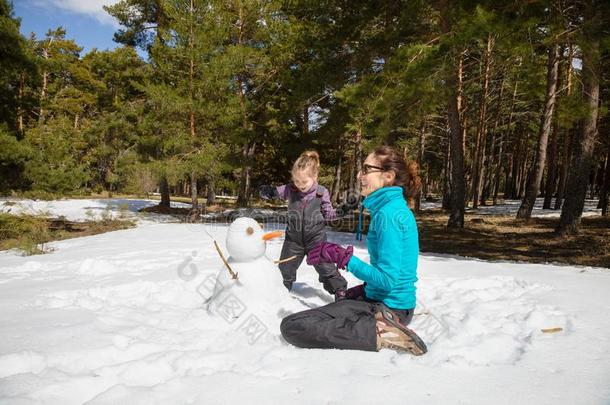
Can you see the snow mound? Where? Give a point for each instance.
(22, 362)
(483, 321)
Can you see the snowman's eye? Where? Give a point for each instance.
(249, 230)
(261, 225)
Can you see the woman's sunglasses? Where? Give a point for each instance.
(366, 169)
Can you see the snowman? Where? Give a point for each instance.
(250, 288)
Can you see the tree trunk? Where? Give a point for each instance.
(354, 192)
(551, 181)
(194, 192)
(493, 159)
(243, 197)
(604, 195)
(458, 188)
(502, 141)
(516, 164)
(249, 147)
(164, 190)
(481, 139)
(336, 187)
(427, 183)
(508, 176)
(420, 157)
(533, 186)
(563, 174)
(248, 150)
(498, 171)
(20, 109)
(446, 204)
(567, 135)
(573, 206)
(45, 85)
(460, 97)
(523, 174)
(211, 196)
(593, 181)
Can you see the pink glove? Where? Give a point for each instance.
(326, 252)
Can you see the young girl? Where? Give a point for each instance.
(308, 207)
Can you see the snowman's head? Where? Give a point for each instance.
(246, 240)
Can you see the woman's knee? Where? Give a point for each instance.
(288, 328)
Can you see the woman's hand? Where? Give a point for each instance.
(326, 252)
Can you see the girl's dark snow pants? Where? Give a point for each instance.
(306, 228)
(347, 324)
(328, 274)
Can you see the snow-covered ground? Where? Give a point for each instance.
(120, 318)
(88, 209)
(510, 207)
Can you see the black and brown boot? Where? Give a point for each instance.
(391, 334)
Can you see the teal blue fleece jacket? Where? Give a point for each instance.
(393, 246)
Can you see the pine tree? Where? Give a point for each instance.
(458, 187)
(112, 138)
(16, 63)
(535, 177)
(571, 212)
(144, 22)
(66, 95)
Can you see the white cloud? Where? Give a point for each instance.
(91, 8)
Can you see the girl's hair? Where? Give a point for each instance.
(310, 161)
(407, 174)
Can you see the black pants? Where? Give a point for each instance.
(328, 274)
(347, 324)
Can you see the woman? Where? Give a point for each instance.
(376, 312)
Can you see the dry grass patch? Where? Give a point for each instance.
(30, 234)
(502, 237)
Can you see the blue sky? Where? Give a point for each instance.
(84, 20)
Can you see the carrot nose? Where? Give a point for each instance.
(271, 235)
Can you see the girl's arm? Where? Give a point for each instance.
(283, 191)
(272, 192)
(328, 211)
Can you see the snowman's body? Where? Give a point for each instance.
(258, 291)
